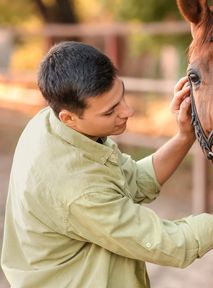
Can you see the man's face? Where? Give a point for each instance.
(106, 114)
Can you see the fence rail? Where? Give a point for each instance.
(102, 30)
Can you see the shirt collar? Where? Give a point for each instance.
(96, 151)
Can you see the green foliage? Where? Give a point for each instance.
(150, 11)
(143, 10)
(16, 12)
(148, 43)
(60, 11)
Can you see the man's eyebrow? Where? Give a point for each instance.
(116, 104)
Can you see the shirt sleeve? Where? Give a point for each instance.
(142, 172)
(146, 180)
(128, 229)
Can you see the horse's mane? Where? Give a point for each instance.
(203, 38)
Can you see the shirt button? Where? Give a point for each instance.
(113, 158)
(148, 245)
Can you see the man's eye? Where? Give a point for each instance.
(195, 79)
(109, 113)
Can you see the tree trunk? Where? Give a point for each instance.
(61, 11)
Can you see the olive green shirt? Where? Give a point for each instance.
(75, 215)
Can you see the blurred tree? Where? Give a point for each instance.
(142, 10)
(31, 14)
(57, 11)
(15, 13)
(51, 11)
(149, 11)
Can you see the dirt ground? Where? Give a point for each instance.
(174, 202)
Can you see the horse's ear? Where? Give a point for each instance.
(193, 11)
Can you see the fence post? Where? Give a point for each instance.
(111, 48)
(200, 180)
(6, 46)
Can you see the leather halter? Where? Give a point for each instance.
(205, 142)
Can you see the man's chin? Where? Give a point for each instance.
(120, 130)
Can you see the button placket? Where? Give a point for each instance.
(113, 158)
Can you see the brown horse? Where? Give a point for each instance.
(200, 69)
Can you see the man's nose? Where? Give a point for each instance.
(126, 111)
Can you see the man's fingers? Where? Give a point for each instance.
(179, 97)
(185, 108)
(180, 84)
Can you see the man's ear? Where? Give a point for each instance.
(67, 117)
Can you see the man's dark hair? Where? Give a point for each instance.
(71, 72)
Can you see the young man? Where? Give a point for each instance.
(75, 216)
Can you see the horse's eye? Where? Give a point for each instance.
(194, 78)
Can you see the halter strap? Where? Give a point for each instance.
(205, 142)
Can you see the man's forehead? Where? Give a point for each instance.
(109, 98)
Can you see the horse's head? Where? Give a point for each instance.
(200, 68)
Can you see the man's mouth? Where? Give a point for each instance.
(122, 124)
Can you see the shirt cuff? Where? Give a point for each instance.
(202, 227)
(147, 180)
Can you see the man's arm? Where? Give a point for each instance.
(169, 156)
(114, 222)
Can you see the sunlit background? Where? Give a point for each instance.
(147, 41)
